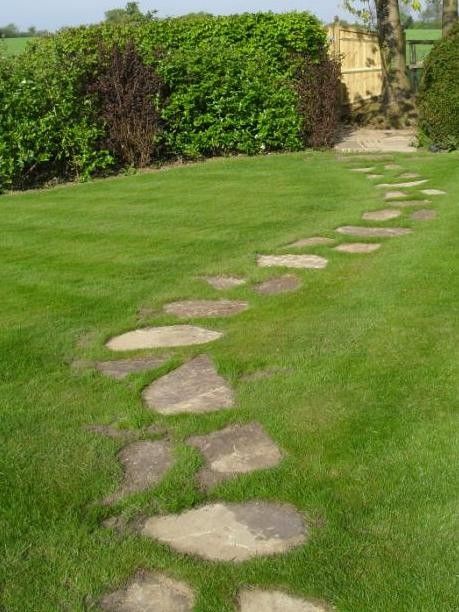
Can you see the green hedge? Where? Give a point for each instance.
(439, 94)
(230, 84)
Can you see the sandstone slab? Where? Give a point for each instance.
(392, 167)
(312, 241)
(230, 532)
(194, 387)
(150, 592)
(364, 170)
(373, 232)
(256, 600)
(424, 214)
(357, 247)
(123, 367)
(395, 195)
(166, 336)
(409, 175)
(381, 215)
(292, 261)
(238, 449)
(224, 282)
(205, 308)
(280, 284)
(433, 192)
(401, 185)
(144, 464)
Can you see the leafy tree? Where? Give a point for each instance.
(130, 14)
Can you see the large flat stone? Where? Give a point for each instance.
(238, 449)
(409, 175)
(256, 600)
(381, 215)
(433, 192)
(150, 592)
(392, 167)
(357, 247)
(312, 241)
(157, 337)
(395, 195)
(373, 140)
(373, 232)
(144, 464)
(280, 284)
(224, 282)
(205, 308)
(291, 261)
(401, 185)
(121, 368)
(195, 387)
(230, 532)
(424, 214)
(364, 170)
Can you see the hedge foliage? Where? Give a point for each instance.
(229, 87)
(439, 94)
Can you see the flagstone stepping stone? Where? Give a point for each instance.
(256, 600)
(409, 175)
(408, 203)
(230, 532)
(292, 261)
(194, 387)
(281, 284)
(238, 449)
(357, 247)
(205, 308)
(402, 185)
(224, 282)
(381, 215)
(374, 176)
(395, 195)
(144, 464)
(123, 367)
(158, 337)
(424, 214)
(312, 241)
(433, 192)
(373, 232)
(150, 592)
(392, 167)
(362, 169)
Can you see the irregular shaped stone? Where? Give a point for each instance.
(362, 169)
(408, 203)
(158, 337)
(224, 282)
(230, 532)
(381, 215)
(144, 465)
(401, 185)
(238, 449)
(194, 387)
(409, 175)
(374, 176)
(123, 367)
(292, 261)
(392, 167)
(395, 195)
(373, 232)
(433, 192)
(312, 241)
(150, 592)
(205, 308)
(357, 247)
(424, 214)
(256, 600)
(281, 284)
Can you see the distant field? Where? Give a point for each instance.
(14, 46)
(421, 50)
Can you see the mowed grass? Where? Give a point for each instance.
(14, 46)
(363, 407)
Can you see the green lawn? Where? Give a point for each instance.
(364, 408)
(420, 34)
(14, 46)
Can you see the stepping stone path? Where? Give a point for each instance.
(395, 195)
(205, 308)
(194, 387)
(292, 261)
(362, 169)
(224, 282)
(433, 192)
(408, 203)
(123, 367)
(401, 185)
(424, 215)
(373, 232)
(281, 284)
(158, 337)
(381, 215)
(374, 176)
(312, 241)
(256, 600)
(357, 247)
(150, 592)
(230, 532)
(144, 464)
(392, 167)
(238, 449)
(409, 175)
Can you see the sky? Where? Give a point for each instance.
(54, 14)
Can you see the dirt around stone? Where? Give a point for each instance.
(257, 600)
(195, 387)
(205, 308)
(144, 464)
(381, 215)
(230, 532)
(357, 247)
(238, 449)
(224, 282)
(373, 232)
(280, 284)
(121, 368)
(312, 241)
(292, 261)
(424, 214)
(166, 336)
(395, 195)
(150, 592)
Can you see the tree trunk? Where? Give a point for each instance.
(449, 15)
(397, 95)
